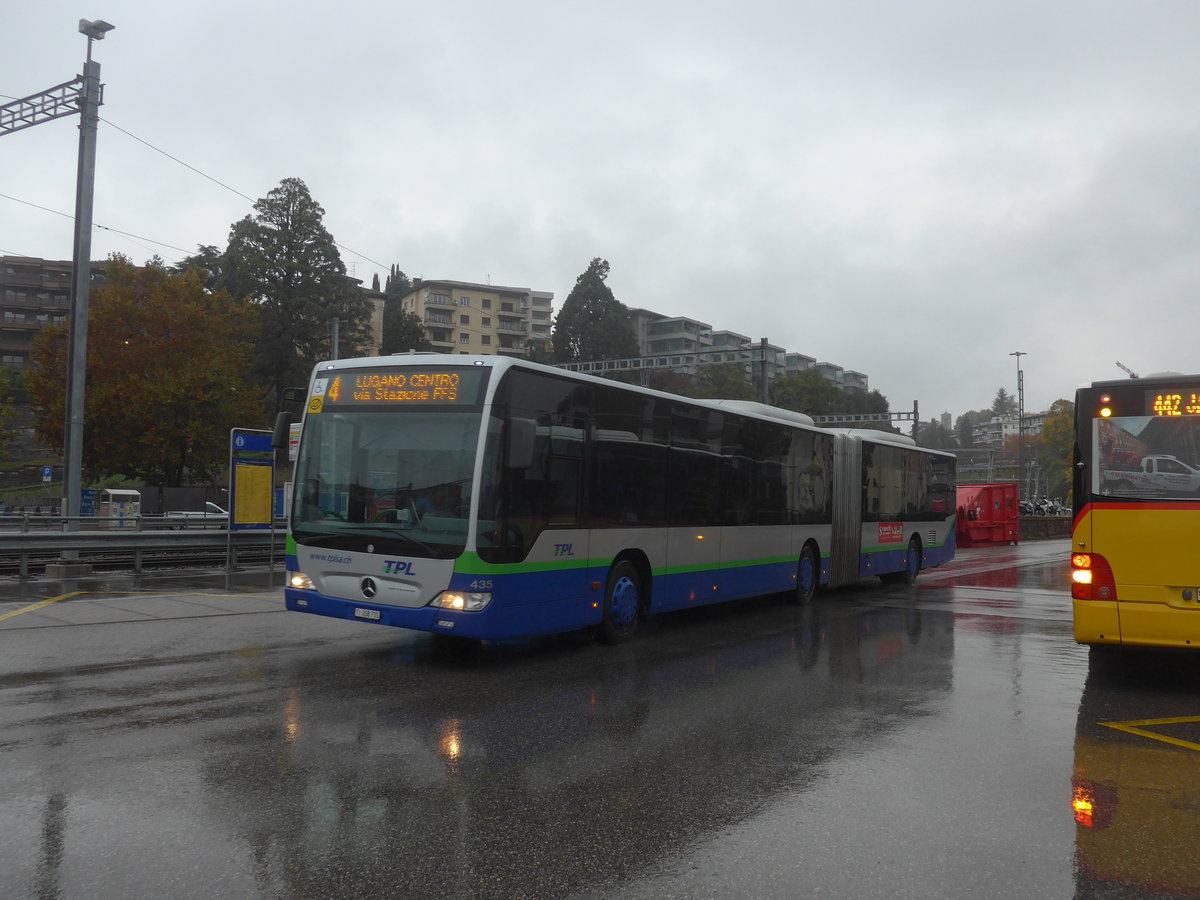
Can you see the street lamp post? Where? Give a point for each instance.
(1020, 422)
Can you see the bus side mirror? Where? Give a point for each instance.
(519, 451)
(281, 434)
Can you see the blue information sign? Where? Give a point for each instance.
(251, 479)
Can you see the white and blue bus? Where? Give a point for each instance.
(494, 498)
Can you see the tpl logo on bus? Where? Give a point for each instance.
(398, 567)
(564, 549)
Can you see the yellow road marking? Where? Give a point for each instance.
(1137, 727)
(32, 607)
(36, 606)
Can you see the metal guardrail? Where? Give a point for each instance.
(43, 541)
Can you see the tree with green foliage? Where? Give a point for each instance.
(285, 261)
(813, 394)
(7, 379)
(726, 381)
(209, 260)
(933, 434)
(1057, 441)
(397, 284)
(402, 331)
(592, 323)
(1004, 404)
(168, 369)
(964, 425)
(539, 352)
(669, 381)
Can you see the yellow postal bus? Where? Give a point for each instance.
(1135, 551)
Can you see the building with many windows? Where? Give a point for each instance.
(462, 317)
(682, 344)
(34, 293)
(996, 430)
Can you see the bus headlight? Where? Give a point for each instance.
(463, 601)
(299, 581)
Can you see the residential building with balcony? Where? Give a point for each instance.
(730, 340)
(831, 372)
(998, 429)
(657, 333)
(541, 318)
(855, 382)
(484, 319)
(798, 363)
(34, 293)
(681, 344)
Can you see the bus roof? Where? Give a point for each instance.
(748, 408)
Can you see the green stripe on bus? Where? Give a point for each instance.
(884, 548)
(471, 564)
(725, 566)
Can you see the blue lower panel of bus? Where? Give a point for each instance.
(678, 590)
(879, 562)
(575, 600)
(534, 604)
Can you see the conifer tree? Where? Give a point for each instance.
(592, 323)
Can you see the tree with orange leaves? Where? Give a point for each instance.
(168, 366)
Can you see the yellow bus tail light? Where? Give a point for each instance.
(1092, 577)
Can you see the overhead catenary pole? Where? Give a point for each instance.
(83, 94)
(81, 272)
(764, 391)
(1020, 422)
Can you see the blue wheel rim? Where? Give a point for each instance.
(624, 603)
(808, 575)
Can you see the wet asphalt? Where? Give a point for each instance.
(164, 736)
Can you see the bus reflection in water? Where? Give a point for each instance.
(1136, 794)
(472, 774)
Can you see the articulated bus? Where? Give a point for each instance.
(494, 498)
(1136, 485)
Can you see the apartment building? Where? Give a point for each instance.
(463, 317)
(34, 293)
(996, 430)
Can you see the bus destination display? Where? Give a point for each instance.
(403, 387)
(1174, 402)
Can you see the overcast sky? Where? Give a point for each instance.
(911, 190)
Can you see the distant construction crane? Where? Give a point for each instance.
(1128, 371)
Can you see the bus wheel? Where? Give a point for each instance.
(808, 573)
(912, 566)
(622, 601)
(912, 562)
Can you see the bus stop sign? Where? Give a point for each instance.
(251, 479)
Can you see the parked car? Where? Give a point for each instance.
(210, 515)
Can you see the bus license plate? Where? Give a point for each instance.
(372, 614)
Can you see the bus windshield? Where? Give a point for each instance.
(1152, 457)
(393, 481)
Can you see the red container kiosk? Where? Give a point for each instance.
(988, 514)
